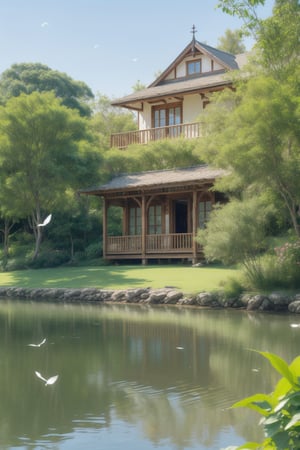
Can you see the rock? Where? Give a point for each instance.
(172, 297)
(207, 299)
(156, 297)
(255, 303)
(273, 302)
(294, 307)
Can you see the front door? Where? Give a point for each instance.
(181, 216)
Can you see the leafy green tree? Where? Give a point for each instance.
(45, 149)
(278, 43)
(107, 120)
(243, 9)
(30, 77)
(258, 139)
(156, 155)
(232, 42)
(138, 86)
(236, 232)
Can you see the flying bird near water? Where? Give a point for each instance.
(48, 381)
(38, 345)
(46, 221)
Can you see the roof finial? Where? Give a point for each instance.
(193, 40)
(193, 31)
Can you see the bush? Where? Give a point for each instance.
(94, 250)
(280, 270)
(233, 288)
(50, 258)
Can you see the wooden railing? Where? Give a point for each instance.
(124, 244)
(169, 242)
(186, 130)
(163, 243)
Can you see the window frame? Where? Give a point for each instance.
(167, 108)
(205, 205)
(135, 221)
(193, 63)
(156, 226)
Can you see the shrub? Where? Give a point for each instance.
(94, 250)
(51, 258)
(280, 270)
(233, 288)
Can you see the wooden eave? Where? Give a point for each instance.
(175, 90)
(164, 182)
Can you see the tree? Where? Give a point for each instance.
(45, 149)
(254, 131)
(231, 42)
(245, 10)
(30, 77)
(258, 140)
(156, 155)
(107, 120)
(236, 232)
(279, 44)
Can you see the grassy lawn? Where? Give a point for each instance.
(186, 279)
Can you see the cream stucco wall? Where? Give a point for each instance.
(191, 109)
(206, 66)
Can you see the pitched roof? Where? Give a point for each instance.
(162, 87)
(225, 59)
(162, 178)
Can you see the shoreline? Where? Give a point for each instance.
(275, 301)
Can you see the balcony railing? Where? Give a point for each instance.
(186, 130)
(162, 243)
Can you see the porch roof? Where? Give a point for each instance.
(153, 179)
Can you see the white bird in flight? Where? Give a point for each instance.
(48, 381)
(46, 221)
(38, 345)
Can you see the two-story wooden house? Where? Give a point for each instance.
(163, 210)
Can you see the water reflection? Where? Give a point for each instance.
(132, 376)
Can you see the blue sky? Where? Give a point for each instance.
(108, 44)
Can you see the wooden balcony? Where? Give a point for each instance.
(176, 245)
(186, 130)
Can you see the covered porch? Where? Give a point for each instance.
(161, 213)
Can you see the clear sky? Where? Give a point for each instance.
(108, 44)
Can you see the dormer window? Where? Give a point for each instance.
(194, 67)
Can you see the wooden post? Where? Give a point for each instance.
(195, 224)
(104, 227)
(144, 229)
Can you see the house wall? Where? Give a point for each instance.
(181, 68)
(191, 109)
(144, 121)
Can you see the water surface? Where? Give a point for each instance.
(134, 378)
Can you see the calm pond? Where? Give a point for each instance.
(133, 377)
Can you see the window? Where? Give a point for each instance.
(154, 220)
(167, 116)
(164, 116)
(204, 212)
(193, 67)
(135, 221)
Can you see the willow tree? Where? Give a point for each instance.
(45, 149)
